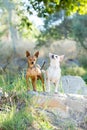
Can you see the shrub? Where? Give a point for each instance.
(83, 60)
(80, 71)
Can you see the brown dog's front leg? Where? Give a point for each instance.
(34, 83)
(27, 77)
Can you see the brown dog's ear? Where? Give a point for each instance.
(27, 53)
(36, 54)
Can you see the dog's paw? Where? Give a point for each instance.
(44, 93)
(33, 92)
(47, 91)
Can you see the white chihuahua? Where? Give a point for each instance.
(53, 73)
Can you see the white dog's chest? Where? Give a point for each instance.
(53, 74)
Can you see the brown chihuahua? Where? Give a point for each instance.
(33, 72)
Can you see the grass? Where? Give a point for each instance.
(23, 120)
(15, 120)
(19, 114)
(17, 84)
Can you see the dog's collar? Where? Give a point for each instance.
(32, 67)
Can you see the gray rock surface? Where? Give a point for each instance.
(63, 110)
(74, 85)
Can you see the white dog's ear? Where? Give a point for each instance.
(61, 58)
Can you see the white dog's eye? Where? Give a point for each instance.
(56, 56)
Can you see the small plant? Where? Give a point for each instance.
(68, 125)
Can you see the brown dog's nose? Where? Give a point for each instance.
(32, 62)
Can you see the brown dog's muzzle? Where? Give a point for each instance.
(32, 63)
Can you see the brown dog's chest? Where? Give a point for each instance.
(34, 72)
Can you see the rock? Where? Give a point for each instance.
(74, 85)
(72, 62)
(17, 65)
(20, 61)
(63, 110)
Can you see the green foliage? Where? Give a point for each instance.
(47, 7)
(85, 78)
(83, 60)
(73, 71)
(24, 23)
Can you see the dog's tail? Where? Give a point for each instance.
(43, 65)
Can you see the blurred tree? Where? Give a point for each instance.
(13, 19)
(46, 7)
(79, 27)
(59, 26)
(7, 9)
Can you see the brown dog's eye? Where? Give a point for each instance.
(30, 59)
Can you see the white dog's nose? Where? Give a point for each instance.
(52, 56)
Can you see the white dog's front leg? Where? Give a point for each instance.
(48, 86)
(56, 87)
